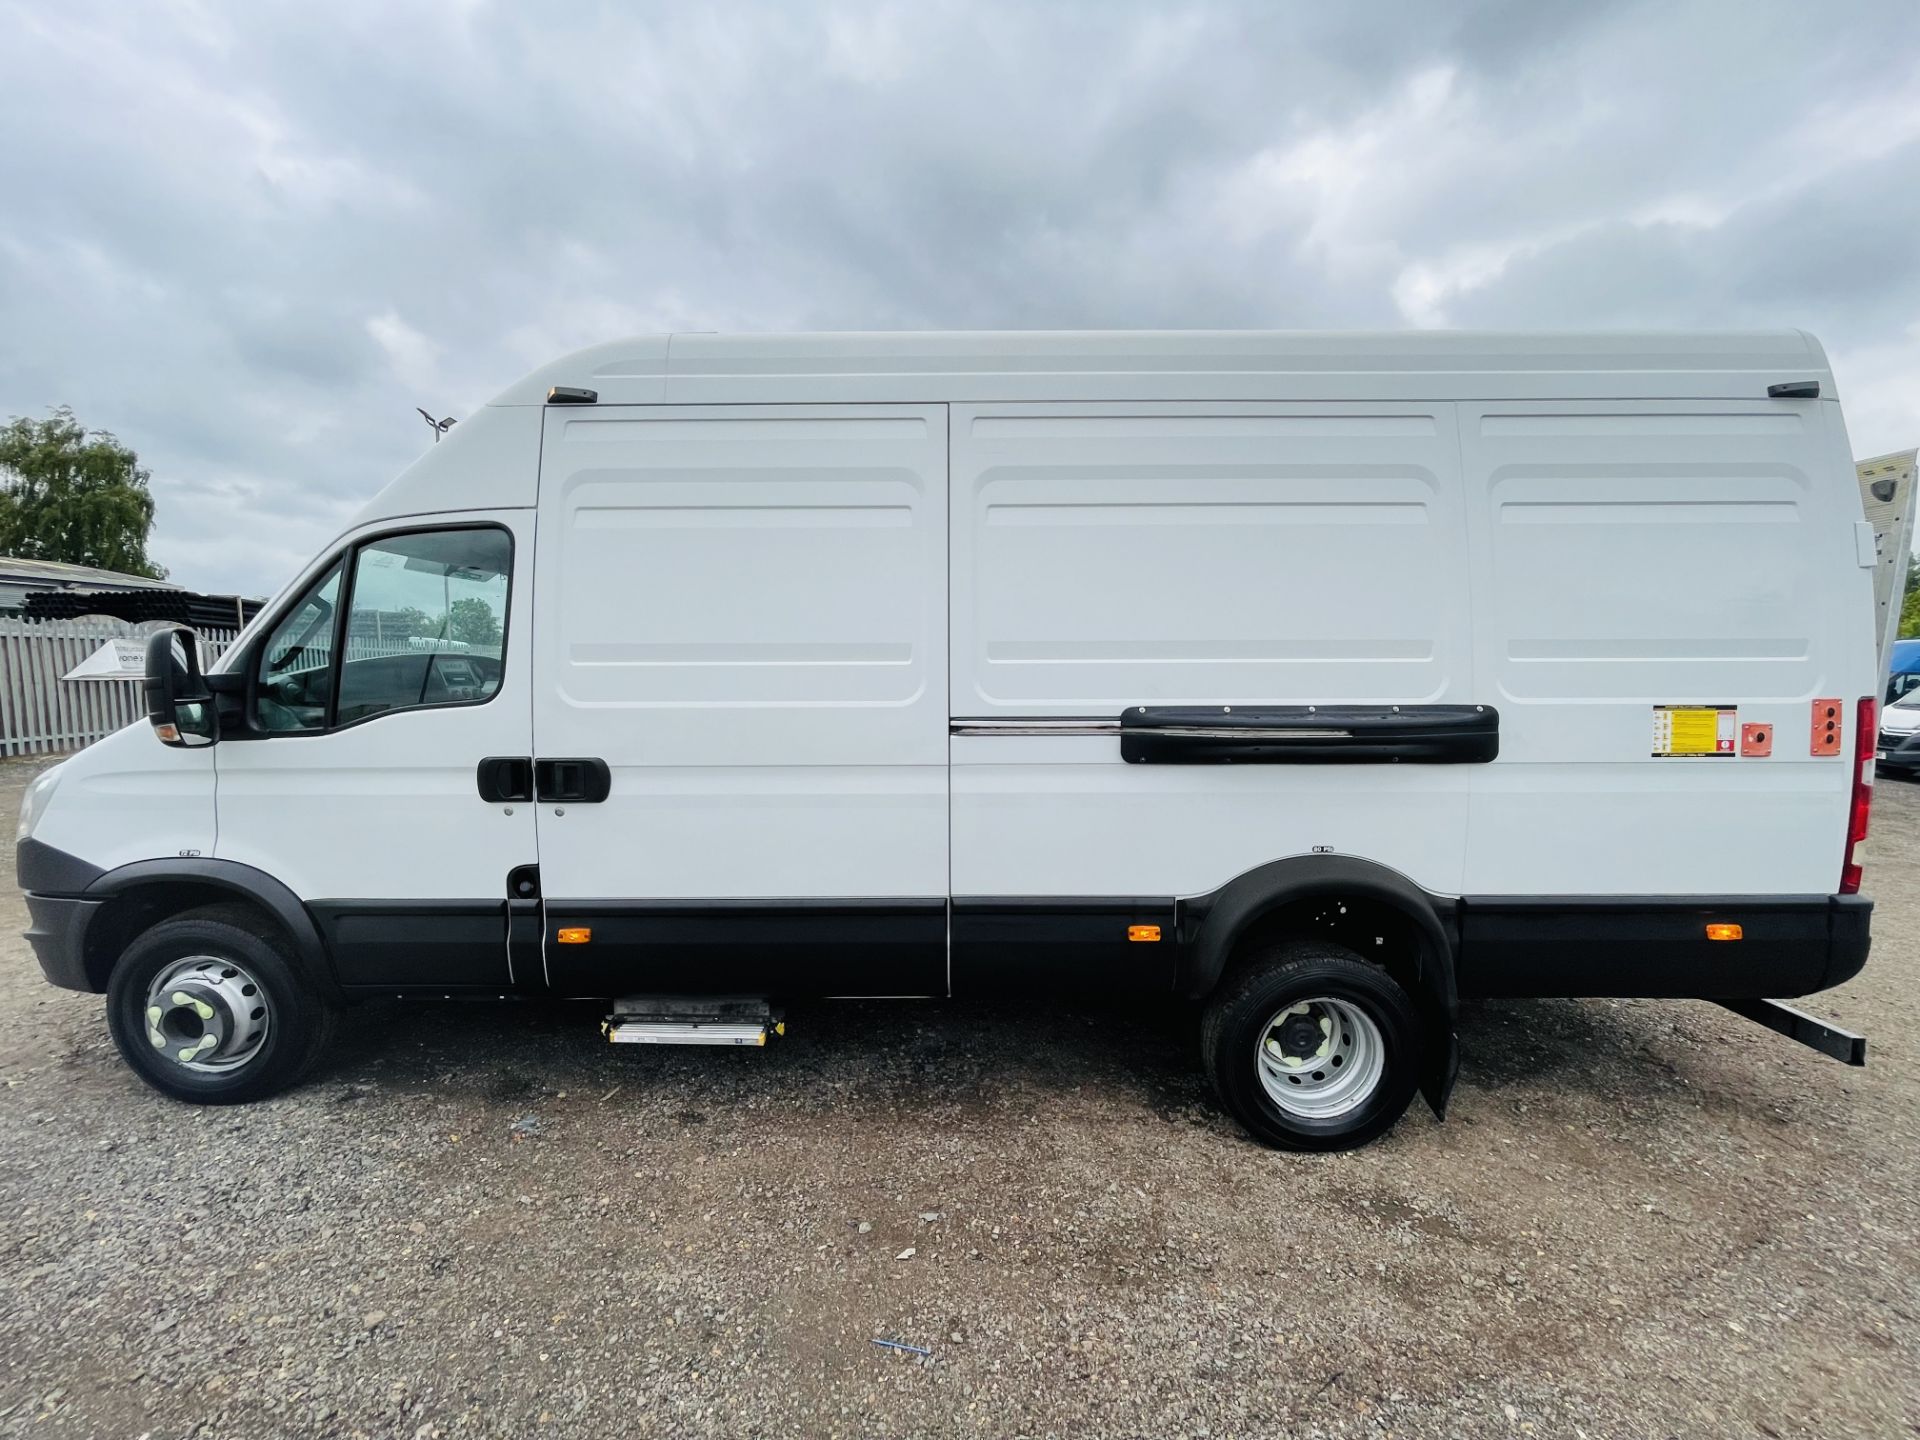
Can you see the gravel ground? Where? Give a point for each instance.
(1643, 1218)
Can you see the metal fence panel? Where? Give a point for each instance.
(42, 714)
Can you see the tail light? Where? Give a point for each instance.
(1864, 739)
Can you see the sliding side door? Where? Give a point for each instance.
(1107, 558)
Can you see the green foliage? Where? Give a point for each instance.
(475, 623)
(410, 622)
(72, 496)
(1910, 602)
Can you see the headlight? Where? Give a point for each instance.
(33, 804)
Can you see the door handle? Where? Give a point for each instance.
(581, 781)
(504, 779)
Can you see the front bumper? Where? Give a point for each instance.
(57, 931)
(1898, 751)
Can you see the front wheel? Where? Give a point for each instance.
(206, 1008)
(1311, 1048)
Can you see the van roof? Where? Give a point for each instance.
(492, 457)
(700, 368)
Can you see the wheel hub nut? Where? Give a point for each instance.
(1300, 1036)
(205, 1013)
(188, 1022)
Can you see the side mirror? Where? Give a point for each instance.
(179, 705)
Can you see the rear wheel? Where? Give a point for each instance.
(206, 1007)
(1311, 1048)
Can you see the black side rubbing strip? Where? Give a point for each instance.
(1309, 734)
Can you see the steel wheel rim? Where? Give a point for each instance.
(206, 1014)
(1320, 1059)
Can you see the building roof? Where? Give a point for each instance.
(178, 607)
(57, 575)
(54, 590)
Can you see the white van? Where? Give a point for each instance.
(1319, 679)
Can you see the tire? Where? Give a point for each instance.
(1338, 1038)
(226, 992)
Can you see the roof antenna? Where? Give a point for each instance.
(440, 427)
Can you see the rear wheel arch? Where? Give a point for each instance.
(1290, 899)
(1222, 922)
(149, 892)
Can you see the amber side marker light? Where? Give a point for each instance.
(1724, 932)
(577, 935)
(1143, 932)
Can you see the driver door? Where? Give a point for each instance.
(398, 665)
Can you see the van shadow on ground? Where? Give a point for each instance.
(909, 1055)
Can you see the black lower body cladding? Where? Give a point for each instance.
(1658, 947)
(56, 929)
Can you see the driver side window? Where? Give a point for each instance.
(425, 625)
(294, 682)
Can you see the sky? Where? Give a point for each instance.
(249, 239)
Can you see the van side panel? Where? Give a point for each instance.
(742, 612)
(1639, 554)
(1113, 556)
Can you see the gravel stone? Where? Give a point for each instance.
(1641, 1218)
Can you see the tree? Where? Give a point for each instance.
(72, 495)
(474, 623)
(1910, 602)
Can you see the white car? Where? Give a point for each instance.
(1899, 747)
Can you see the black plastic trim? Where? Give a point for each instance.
(57, 933)
(1849, 938)
(45, 870)
(242, 880)
(1655, 946)
(1794, 390)
(1309, 734)
(572, 395)
(1021, 944)
(416, 944)
(504, 779)
(582, 780)
(766, 947)
(1211, 924)
(526, 929)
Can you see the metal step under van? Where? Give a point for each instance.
(680, 1020)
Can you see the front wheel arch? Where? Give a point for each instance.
(147, 892)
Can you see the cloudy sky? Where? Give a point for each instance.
(250, 238)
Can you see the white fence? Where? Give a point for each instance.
(40, 712)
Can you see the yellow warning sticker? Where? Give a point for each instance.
(1694, 730)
